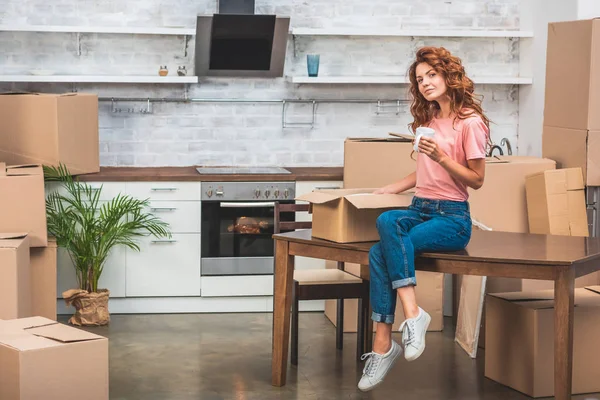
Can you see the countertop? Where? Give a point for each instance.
(129, 174)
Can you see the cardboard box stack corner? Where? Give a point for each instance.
(37, 349)
(520, 354)
(41, 130)
(48, 129)
(571, 133)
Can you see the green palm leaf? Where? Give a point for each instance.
(88, 230)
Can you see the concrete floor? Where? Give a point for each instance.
(228, 357)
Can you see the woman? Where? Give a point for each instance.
(438, 219)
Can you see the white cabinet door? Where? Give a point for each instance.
(165, 267)
(112, 278)
(108, 190)
(303, 187)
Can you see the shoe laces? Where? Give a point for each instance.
(408, 332)
(373, 360)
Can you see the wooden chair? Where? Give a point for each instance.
(323, 284)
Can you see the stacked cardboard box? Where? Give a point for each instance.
(556, 203)
(571, 134)
(41, 130)
(38, 129)
(49, 129)
(30, 275)
(42, 359)
(519, 347)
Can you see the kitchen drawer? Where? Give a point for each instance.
(112, 278)
(182, 216)
(165, 267)
(247, 285)
(109, 189)
(165, 190)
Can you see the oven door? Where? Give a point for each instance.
(237, 237)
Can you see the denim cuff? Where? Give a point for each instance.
(404, 282)
(386, 319)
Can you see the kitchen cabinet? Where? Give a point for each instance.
(164, 267)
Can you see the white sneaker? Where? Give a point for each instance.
(377, 367)
(413, 335)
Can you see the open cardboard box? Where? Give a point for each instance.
(350, 215)
(43, 359)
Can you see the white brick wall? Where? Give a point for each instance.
(252, 133)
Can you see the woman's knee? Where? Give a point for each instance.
(385, 220)
(375, 256)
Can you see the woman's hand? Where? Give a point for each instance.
(385, 190)
(429, 147)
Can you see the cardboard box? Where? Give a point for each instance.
(350, 215)
(43, 262)
(15, 276)
(572, 96)
(42, 359)
(520, 341)
(23, 202)
(574, 148)
(430, 297)
(375, 162)
(556, 203)
(49, 129)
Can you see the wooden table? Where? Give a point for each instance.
(489, 253)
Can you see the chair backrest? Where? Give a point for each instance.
(290, 225)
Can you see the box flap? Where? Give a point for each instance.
(62, 333)
(399, 139)
(22, 341)
(26, 323)
(373, 201)
(595, 289)
(327, 195)
(25, 169)
(406, 136)
(7, 236)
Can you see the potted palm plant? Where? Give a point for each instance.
(89, 230)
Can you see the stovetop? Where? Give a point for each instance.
(242, 170)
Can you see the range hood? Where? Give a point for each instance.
(238, 42)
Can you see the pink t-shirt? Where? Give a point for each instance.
(466, 140)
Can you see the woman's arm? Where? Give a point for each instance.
(472, 176)
(408, 182)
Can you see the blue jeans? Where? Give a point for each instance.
(427, 225)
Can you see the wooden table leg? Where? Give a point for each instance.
(564, 297)
(282, 302)
(366, 304)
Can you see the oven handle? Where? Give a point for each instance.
(248, 205)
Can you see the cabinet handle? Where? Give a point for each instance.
(163, 189)
(163, 241)
(326, 187)
(163, 209)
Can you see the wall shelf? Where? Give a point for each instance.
(411, 32)
(99, 79)
(491, 80)
(99, 29)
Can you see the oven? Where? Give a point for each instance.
(238, 224)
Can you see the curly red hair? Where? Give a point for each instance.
(463, 101)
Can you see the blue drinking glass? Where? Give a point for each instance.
(312, 62)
